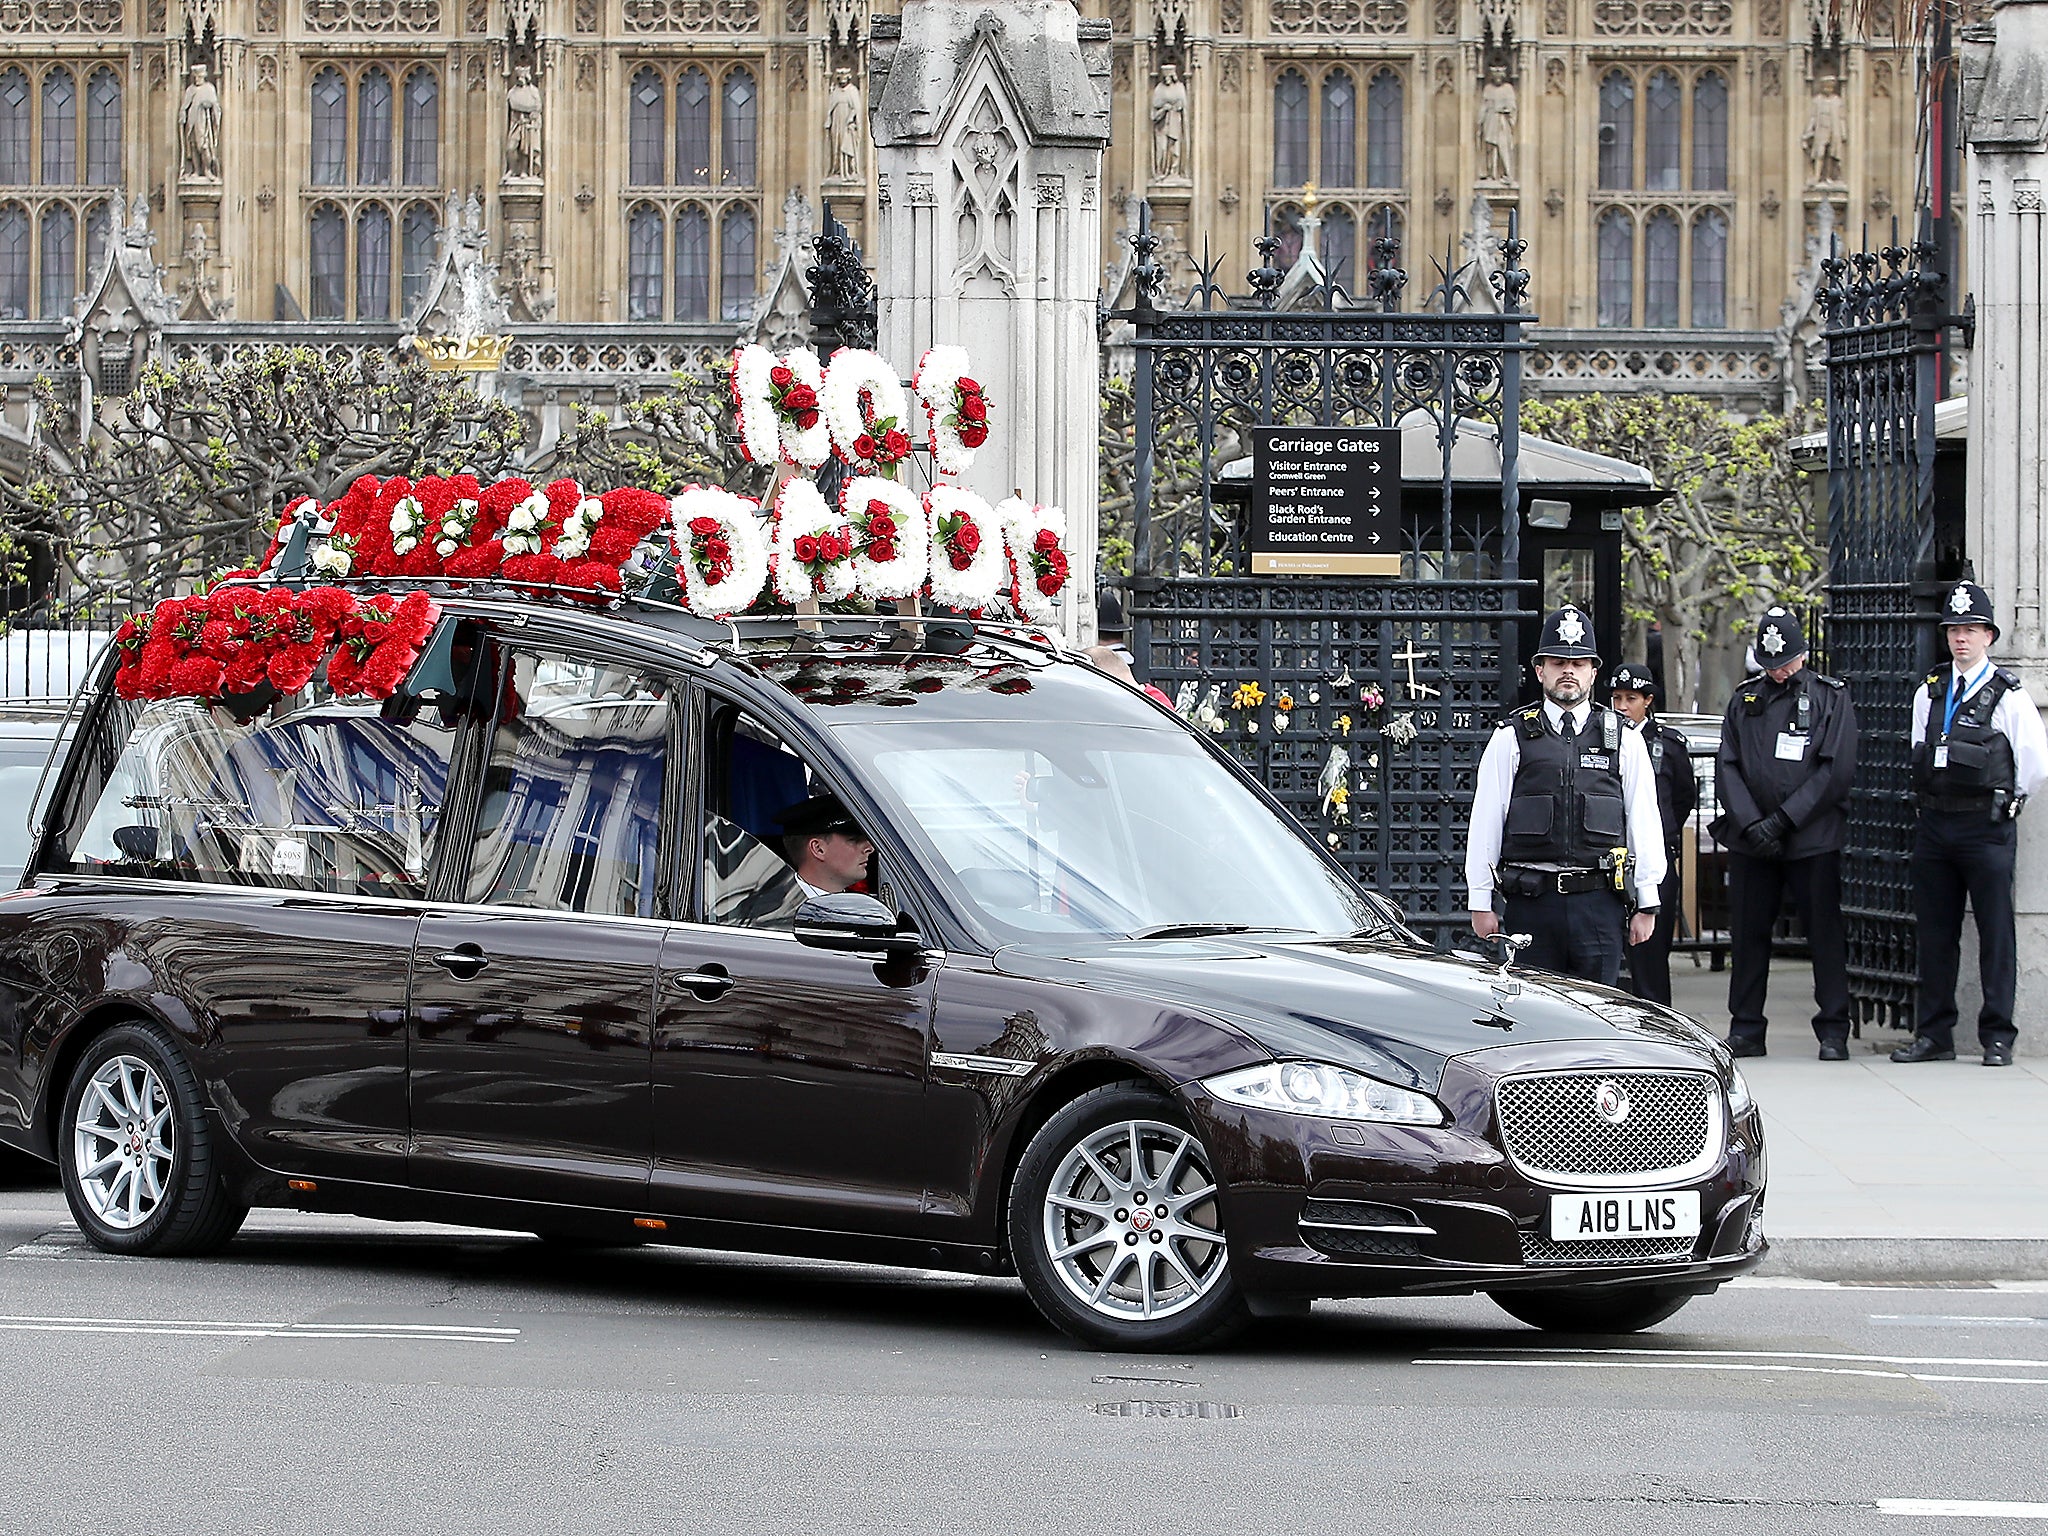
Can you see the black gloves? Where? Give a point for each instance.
(1766, 839)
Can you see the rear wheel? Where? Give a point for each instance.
(136, 1150)
(1594, 1309)
(1116, 1230)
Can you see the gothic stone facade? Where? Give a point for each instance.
(1676, 163)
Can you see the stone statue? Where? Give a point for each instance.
(522, 19)
(843, 22)
(1169, 124)
(522, 132)
(842, 127)
(1827, 131)
(199, 126)
(1497, 126)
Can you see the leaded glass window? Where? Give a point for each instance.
(1617, 130)
(1290, 129)
(693, 128)
(327, 294)
(1710, 133)
(1616, 246)
(1710, 270)
(60, 129)
(329, 127)
(422, 128)
(645, 130)
(1340, 130)
(693, 264)
(60, 261)
(738, 128)
(103, 129)
(643, 264)
(1385, 129)
(736, 263)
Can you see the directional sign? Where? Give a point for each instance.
(1326, 501)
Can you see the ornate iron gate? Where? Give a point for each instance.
(1364, 705)
(1884, 312)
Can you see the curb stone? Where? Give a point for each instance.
(1907, 1260)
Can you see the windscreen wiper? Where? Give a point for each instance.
(1205, 930)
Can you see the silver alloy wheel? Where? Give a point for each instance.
(1131, 1222)
(123, 1142)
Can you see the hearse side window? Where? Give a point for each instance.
(750, 778)
(341, 796)
(571, 813)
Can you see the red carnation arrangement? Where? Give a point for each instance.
(958, 537)
(793, 398)
(377, 643)
(710, 550)
(970, 413)
(1048, 563)
(877, 532)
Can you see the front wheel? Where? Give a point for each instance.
(1594, 1309)
(137, 1153)
(1116, 1230)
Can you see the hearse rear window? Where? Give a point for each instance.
(320, 794)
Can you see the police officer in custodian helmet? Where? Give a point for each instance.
(1564, 824)
(1787, 760)
(1978, 751)
(1633, 693)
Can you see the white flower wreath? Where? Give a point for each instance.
(902, 575)
(937, 381)
(1022, 525)
(738, 520)
(753, 408)
(971, 586)
(802, 513)
(856, 373)
(806, 447)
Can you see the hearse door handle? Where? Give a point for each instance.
(707, 982)
(463, 961)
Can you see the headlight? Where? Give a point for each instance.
(1311, 1088)
(1739, 1102)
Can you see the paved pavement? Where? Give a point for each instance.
(1936, 1171)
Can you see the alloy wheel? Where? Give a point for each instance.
(1131, 1223)
(124, 1142)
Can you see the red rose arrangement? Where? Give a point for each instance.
(882, 447)
(877, 527)
(815, 552)
(959, 539)
(377, 643)
(1048, 563)
(710, 550)
(793, 398)
(970, 414)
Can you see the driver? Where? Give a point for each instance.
(825, 845)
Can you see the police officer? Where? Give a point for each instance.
(1787, 759)
(1565, 819)
(1632, 690)
(1978, 751)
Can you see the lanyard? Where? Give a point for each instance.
(1958, 691)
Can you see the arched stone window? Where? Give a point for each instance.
(422, 128)
(419, 245)
(645, 131)
(1710, 270)
(693, 264)
(736, 262)
(1287, 225)
(14, 262)
(99, 226)
(739, 128)
(329, 129)
(373, 262)
(1337, 246)
(1290, 129)
(1340, 129)
(1710, 133)
(1663, 132)
(15, 141)
(60, 129)
(1616, 279)
(327, 247)
(1386, 113)
(103, 129)
(1617, 130)
(60, 260)
(1660, 270)
(693, 128)
(643, 264)
(373, 129)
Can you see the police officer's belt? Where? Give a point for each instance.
(1526, 880)
(1975, 801)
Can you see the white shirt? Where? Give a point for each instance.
(2016, 716)
(812, 892)
(1496, 785)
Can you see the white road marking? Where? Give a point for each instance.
(1982, 1509)
(201, 1328)
(1749, 1366)
(1796, 1283)
(1954, 1320)
(1776, 1361)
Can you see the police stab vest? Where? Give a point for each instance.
(1979, 757)
(1566, 806)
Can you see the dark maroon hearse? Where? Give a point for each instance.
(521, 949)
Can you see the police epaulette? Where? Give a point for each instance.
(2007, 676)
(1832, 682)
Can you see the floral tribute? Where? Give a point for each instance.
(237, 639)
(968, 569)
(778, 406)
(1035, 538)
(812, 558)
(720, 550)
(891, 539)
(865, 409)
(955, 408)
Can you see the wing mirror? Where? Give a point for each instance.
(854, 924)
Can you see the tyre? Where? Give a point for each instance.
(1115, 1228)
(1594, 1309)
(138, 1154)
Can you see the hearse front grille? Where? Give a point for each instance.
(1611, 1129)
(1538, 1249)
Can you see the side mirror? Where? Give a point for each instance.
(854, 924)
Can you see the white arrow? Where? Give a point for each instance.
(1374, 539)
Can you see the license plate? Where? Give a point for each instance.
(1659, 1213)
